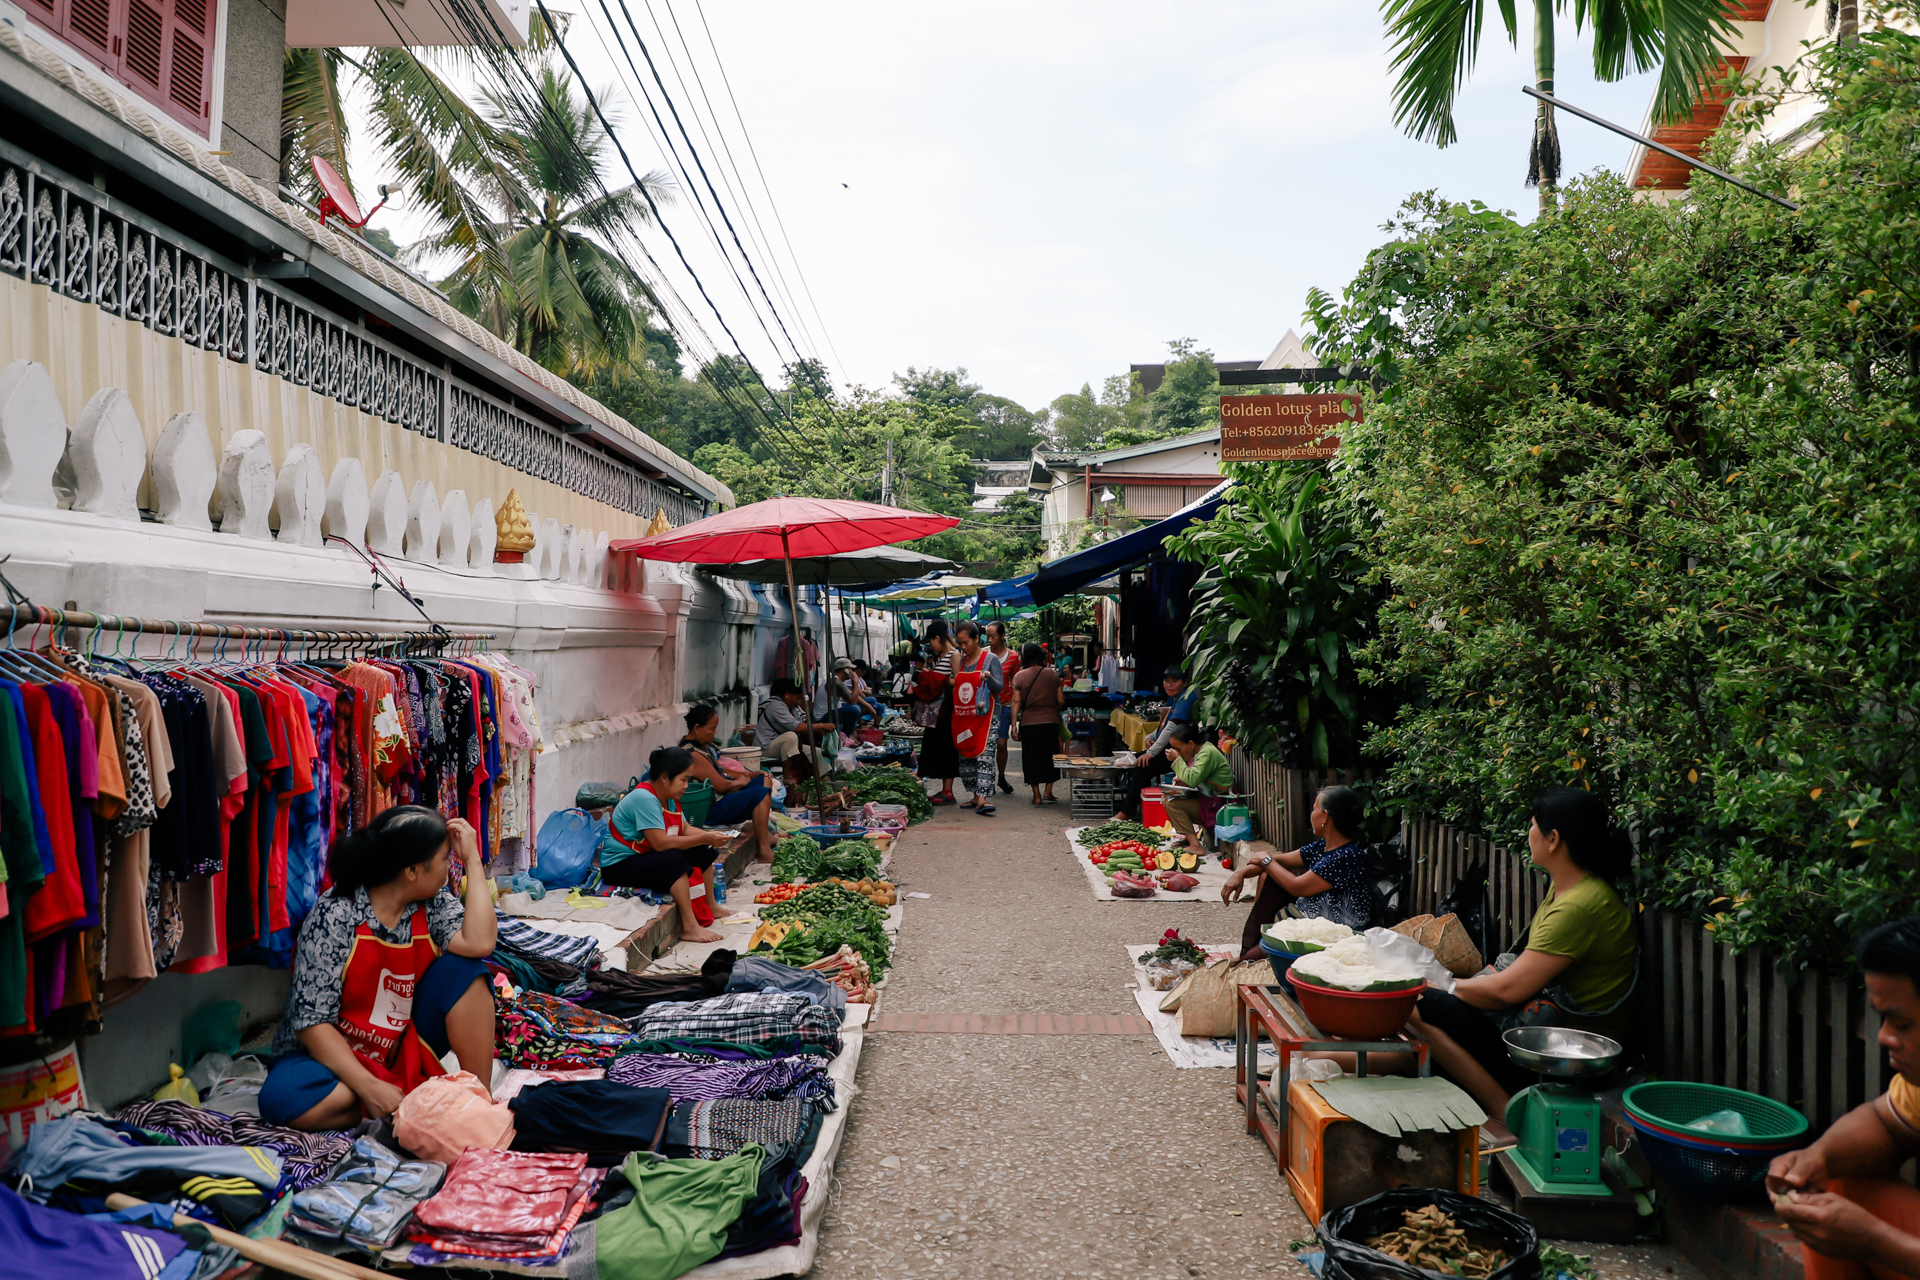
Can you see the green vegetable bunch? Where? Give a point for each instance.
(797, 857)
(1118, 829)
(890, 784)
(832, 917)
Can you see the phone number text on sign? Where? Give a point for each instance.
(1279, 428)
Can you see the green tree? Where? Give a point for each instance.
(1081, 420)
(1641, 494)
(1435, 43)
(1187, 399)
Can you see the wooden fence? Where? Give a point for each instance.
(1804, 1038)
(1282, 797)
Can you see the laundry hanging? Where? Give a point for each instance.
(173, 811)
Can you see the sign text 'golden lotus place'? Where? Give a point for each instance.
(1277, 428)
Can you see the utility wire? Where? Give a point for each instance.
(765, 186)
(726, 148)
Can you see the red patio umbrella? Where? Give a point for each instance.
(808, 528)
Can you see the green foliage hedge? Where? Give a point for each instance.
(1642, 500)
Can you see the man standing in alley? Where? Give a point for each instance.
(1009, 668)
(1843, 1196)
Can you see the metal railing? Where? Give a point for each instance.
(83, 244)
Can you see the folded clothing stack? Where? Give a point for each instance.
(369, 1198)
(507, 1204)
(306, 1158)
(74, 1161)
(747, 1017)
(687, 1077)
(535, 1030)
(606, 1120)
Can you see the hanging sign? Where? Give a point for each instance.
(1277, 428)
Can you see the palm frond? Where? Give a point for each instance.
(1695, 34)
(1434, 44)
(312, 120)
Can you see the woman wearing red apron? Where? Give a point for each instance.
(387, 976)
(976, 684)
(650, 846)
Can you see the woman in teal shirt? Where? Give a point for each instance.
(1196, 763)
(649, 845)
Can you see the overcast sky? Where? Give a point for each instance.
(1046, 192)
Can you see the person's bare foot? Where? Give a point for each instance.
(702, 935)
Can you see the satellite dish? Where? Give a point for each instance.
(337, 199)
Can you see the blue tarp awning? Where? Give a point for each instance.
(1069, 573)
(1011, 592)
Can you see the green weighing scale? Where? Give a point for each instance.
(1558, 1123)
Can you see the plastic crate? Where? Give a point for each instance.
(1093, 799)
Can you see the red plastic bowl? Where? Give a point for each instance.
(1355, 1015)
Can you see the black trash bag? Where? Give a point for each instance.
(1388, 873)
(1468, 900)
(602, 795)
(1345, 1232)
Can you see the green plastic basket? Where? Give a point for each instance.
(1675, 1104)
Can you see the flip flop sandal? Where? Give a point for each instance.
(986, 810)
(940, 799)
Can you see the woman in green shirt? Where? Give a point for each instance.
(1578, 967)
(1196, 763)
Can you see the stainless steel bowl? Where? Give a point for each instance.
(1562, 1052)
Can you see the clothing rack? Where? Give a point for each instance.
(252, 640)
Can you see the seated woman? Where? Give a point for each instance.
(1578, 967)
(648, 846)
(1326, 878)
(736, 796)
(387, 976)
(1196, 763)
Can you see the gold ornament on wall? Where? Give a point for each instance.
(515, 531)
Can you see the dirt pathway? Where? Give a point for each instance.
(1075, 1149)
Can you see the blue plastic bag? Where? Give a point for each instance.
(567, 842)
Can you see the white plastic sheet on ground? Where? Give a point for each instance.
(1186, 1051)
(1211, 875)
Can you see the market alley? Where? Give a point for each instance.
(1060, 1155)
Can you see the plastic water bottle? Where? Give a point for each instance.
(719, 881)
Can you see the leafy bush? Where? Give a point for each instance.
(1277, 616)
(1648, 510)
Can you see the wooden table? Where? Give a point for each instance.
(1270, 1012)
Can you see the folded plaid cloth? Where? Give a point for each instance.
(745, 1017)
(530, 941)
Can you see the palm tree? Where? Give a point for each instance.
(560, 290)
(1435, 43)
(512, 191)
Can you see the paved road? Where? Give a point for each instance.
(1080, 1153)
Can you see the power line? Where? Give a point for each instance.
(765, 186)
(726, 148)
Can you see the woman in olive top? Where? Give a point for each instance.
(1196, 763)
(1578, 968)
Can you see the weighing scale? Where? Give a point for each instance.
(1558, 1124)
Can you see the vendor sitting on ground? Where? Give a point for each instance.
(737, 794)
(649, 846)
(1847, 1201)
(1325, 879)
(855, 698)
(1152, 761)
(1196, 763)
(387, 975)
(781, 730)
(1578, 968)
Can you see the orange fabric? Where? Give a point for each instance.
(444, 1116)
(113, 784)
(1892, 1201)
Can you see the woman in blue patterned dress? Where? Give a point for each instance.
(1326, 878)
